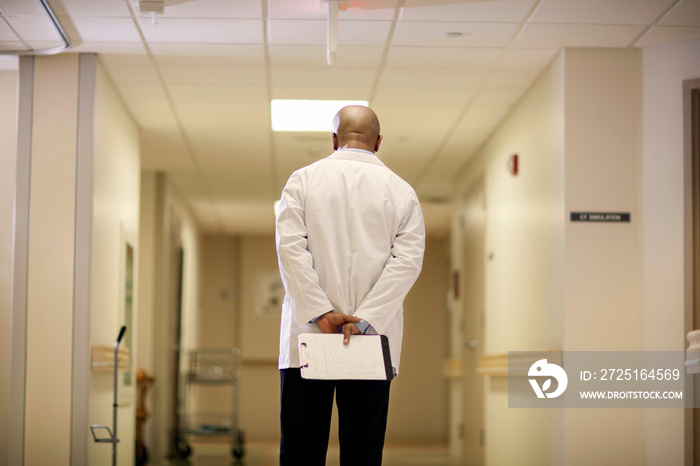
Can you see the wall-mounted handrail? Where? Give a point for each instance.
(52, 50)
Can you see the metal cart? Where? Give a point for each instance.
(209, 368)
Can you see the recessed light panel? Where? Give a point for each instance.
(307, 115)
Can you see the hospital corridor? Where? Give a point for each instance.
(553, 147)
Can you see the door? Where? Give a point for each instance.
(474, 226)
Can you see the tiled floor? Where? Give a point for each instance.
(265, 454)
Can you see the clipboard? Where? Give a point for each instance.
(324, 357)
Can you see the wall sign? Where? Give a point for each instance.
(601, 217)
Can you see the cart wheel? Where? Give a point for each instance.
(238, 450)
(184, 451)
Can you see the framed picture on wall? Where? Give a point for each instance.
(270, 294)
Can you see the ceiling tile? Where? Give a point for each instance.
(254, 115)
(393, 94)
(498, 96)
(577, 35)
(143, 92)
(240, 184)
(315, 55)
(297, 32)
(208, 54)
(363, 32)
(666, 34)
(11, 45)
(434, 34)
(142, 73)
(299, 9)
(600, 11)
(433, 77)
(108, 48)
(513, 79)
(91, 8)
(533, 59)
(686, 13)
(370, 9)
(106, 29)
(462, 10)
(482, 116)
(213, 9)
(311, 76)
(444, 57)
(192, 185)
(117, 59)
(250, 158)
(33, 28)
(149, 116)
(6, 32)
(314, 32)
(325, 92)
(213, 74)
(22, 8)
(212, 31)
(429, 122)
(217, 92)
(312, 9)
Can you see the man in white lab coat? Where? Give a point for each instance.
(350, 240)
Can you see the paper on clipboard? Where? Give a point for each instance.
(366, 357)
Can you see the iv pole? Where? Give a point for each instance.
(112, 433)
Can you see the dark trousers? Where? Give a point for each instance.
(306, 420)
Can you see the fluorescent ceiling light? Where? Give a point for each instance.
(307, 115)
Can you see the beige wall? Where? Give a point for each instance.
(8, 153)
(664, 69)
(425, 345)
(524, 283)
(167, 225)
(551, 283)
(418, 403)
(116, 187)
(602, 310)
(51, 253)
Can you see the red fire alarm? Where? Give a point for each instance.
(513, 164)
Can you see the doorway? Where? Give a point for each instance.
(473, 226)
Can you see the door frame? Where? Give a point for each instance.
(691, 171)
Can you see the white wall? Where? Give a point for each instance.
(8, 154)
(116, 178)
(664, 69)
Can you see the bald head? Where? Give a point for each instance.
(356, 127)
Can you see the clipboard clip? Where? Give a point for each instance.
(303, 355)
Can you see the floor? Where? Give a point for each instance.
(265, 454)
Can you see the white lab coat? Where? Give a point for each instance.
(350, 238)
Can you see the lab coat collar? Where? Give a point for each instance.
(358, 155)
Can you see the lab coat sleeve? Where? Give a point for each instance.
(401, 270)
(301, 283)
